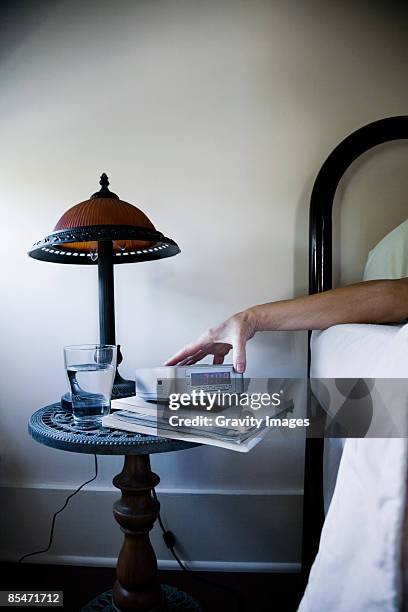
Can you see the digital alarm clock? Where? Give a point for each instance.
(157, 384)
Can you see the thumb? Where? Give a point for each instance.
(239, 355)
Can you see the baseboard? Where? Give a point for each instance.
(169, 564)
(161, 490)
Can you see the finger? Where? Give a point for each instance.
(194, 358)
(239, 354)
(188, 351)
(219, 348)
(218, 359)
(191, 361)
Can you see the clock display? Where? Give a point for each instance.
(210, 379)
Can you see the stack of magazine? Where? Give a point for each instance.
(135, 414)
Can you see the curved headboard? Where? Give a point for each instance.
(324, 190)
(320, 279)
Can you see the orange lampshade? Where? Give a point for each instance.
(105, 211)
(103, 217)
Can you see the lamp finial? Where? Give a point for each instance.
(104, 191)
(104, 182)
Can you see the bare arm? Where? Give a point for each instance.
(383, 301)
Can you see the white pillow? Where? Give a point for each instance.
(389, 259)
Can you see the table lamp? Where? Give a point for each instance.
(105, 231)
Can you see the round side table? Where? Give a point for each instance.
(137, 586)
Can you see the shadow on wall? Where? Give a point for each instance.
(301, 266)
(19, 19)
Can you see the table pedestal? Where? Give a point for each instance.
(137, 586)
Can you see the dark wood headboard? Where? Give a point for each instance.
(320, 279)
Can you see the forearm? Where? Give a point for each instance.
(384, 301)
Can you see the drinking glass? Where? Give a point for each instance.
(90, 370)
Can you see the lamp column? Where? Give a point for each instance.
(107, 335)
(106, 292)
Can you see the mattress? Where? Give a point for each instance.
(348, 351)
(358, 564)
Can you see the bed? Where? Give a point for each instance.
(358, 564)
(320, 279)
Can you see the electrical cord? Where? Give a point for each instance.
(170, 541)
(70, 496)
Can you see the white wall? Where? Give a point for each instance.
(214, 118)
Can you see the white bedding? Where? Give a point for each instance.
(358, 568)
(346, 351)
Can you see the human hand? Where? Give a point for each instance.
(233, 334)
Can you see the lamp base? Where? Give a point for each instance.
(122, 387)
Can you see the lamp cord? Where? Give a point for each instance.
(170, 541)
(70, 496)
